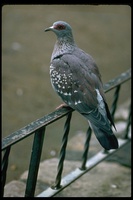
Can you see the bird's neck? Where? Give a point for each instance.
(63, 46)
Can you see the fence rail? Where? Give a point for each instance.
(38, 129)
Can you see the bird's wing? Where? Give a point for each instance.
(81, 88)
(76, 83)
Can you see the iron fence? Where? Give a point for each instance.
(38, 128)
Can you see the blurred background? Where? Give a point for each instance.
(104, 31)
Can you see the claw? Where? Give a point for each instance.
(62, 106)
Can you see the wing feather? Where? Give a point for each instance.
(82, 89)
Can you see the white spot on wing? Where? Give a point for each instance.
(59, 86)
(67, 94)
(75, 91)
(100, 99)
(58, 76)
(77, 102)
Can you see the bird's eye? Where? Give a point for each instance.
(60, 27)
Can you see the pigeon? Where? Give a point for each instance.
(76, 79)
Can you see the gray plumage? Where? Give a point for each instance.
(76, 78)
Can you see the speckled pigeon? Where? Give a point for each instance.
(76, 78)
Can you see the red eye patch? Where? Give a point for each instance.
(59, 27)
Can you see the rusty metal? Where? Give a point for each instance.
(77, 173)
(33, 126)
(34, 162)
(62, 152)
(86, 148)
(38, 128)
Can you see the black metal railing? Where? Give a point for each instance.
(38, 128)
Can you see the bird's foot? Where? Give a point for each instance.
(63, 105)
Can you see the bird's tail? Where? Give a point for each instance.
(106, 138)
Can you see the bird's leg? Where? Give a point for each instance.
(62, 105)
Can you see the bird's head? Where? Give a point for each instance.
(61, 29)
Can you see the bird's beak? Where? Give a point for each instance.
(49, 29)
